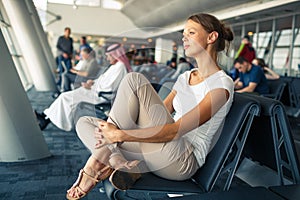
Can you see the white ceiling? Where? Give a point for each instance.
(142, 19)
(161, 13)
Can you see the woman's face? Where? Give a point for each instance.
(194, 38)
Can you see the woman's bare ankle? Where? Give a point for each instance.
(93, 166)
(117, 161)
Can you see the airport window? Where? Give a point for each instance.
(12, 45)
(276, 52)
(281, 52)
(263, 42)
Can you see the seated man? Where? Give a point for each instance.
(87, 68)
(251, 77)
(61, 110)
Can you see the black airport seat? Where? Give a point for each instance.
(276, 88)
(222, 160)
(100, 110)
(270, 142)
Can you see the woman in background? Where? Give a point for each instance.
(270, 74)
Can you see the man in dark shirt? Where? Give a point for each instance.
(251, 77)
(64, 51)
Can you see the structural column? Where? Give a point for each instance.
(163, 50)
(43, 40)
(30, 45)
(21, 138)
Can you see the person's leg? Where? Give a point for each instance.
(100, 164)
(60, 59)
(173, 160)
(78, 80)
(69, 78)
(93, 172)
(85, 129)
(142, 108)
(61, 111)
(68, 63)
(141, 99)
(65, 86)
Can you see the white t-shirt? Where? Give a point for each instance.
(188, 96)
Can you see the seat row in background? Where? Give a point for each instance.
(287, 91)
(291, 96)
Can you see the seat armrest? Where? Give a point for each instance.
(108, 96)
(102, 93)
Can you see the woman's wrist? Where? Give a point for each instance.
(119, 135)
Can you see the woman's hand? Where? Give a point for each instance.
(105, 133)
(100, 138)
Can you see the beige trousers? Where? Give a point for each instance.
(137, 105)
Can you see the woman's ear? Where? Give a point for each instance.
(212, 37)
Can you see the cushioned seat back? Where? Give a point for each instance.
(239, 116)
(295, 84)
(286, 97)
(276, 88)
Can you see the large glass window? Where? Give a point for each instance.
(281, 52)
(14, 50)
(263, 48)
(279, 58)
(296, 51)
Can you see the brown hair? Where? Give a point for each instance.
(261, 62)
(211, 23)
(68, 28)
